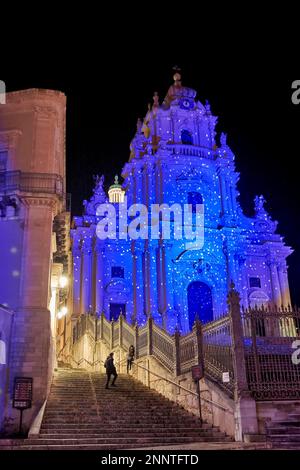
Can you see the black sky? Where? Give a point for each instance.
(108, 89)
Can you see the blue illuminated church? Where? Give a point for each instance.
(176, 157)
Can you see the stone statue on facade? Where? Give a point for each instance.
(99, 196)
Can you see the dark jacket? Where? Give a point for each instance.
(130, 355)
(109, 365)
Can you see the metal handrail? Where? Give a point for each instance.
(78, 363)
(58, 355)
(181, 387)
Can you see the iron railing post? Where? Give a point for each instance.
(136, 340)
(238, 348)
(150, 336)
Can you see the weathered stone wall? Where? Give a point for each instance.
(32, 132)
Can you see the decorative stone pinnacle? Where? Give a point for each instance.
(139, 125)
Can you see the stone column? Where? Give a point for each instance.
(99, 278)
(153, 281)
(86, 276)
(138, 178)
(168, 275)
(161, 279)
(76, 276)
(169, 288)
(151, 183)
(138, 304)
(284, 285)
(276, 292)
(245, 406)
(244, 281)
(223, 192)
(146, 268)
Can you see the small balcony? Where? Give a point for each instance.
(31, 183)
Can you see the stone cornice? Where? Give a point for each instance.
(39, 201)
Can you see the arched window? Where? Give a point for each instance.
(194, 198)
(186, 137)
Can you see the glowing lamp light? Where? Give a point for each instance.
(62, 313)
(63, 281)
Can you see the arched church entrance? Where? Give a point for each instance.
(199, 302)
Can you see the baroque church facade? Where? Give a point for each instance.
(176, 157)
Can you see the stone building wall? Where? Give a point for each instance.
(32, 139)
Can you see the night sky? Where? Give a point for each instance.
(105, 96)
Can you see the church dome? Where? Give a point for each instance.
(116, 193)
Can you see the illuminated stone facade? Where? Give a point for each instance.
(176, 157)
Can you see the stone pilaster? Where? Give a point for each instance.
(284, 285)
(99, 278)
(86, 276)
(276, 292)
(77, 261)
(138, 303)
(161, 280)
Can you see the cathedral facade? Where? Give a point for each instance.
(176, 157)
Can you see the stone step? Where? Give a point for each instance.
(287, 446)
(286, 438)
(115, 403)
(115, 428)
(117, 411)
(128, 440)
(285, 430)
(120, 422)
(287, 423)
(116, 435)
(84, 415)
(85, 447)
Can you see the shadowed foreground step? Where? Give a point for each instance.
(285, 434)
(82, 414)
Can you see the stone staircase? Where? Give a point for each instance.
(285, 434)
(82, 414)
